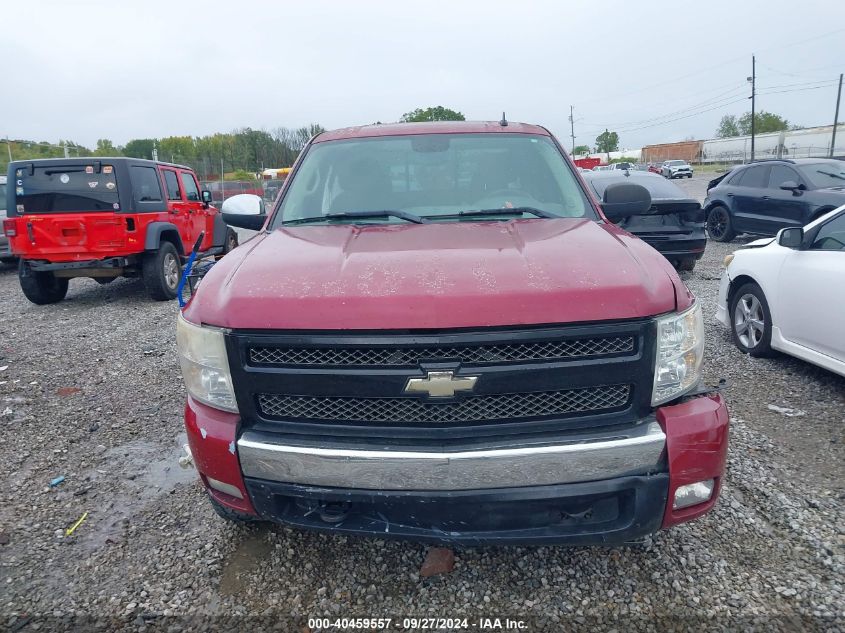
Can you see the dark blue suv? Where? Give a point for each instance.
(763, 197)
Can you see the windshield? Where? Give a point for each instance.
(827, 174)
(3, 197)
(434, 176)
(675, 162)
(66, 189)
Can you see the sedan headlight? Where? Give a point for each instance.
(680, 348)
(205, 365)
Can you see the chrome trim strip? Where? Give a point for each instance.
(597, 459)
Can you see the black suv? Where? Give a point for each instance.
(763, 197)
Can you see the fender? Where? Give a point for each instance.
(155, 231)
(220, 228)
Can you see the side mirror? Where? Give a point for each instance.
(206, 196)
(792, 237)
(622, 200)
(791, 185)
(244, 211)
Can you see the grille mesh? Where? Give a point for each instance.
(506, 406)
(468, 354)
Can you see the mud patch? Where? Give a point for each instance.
(137, 474)
(240, 566)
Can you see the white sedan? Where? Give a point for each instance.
(788, 293)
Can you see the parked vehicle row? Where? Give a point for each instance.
(443, 316)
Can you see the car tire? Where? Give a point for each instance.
(719, 224)
(161, 271)
(751, 320)
(233, 516)
(689, 175)
(686, 265)
(42, 288)
(231, 242)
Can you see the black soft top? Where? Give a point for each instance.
(121, 165)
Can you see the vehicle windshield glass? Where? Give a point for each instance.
(433, 176)
(66, 189)
(828, 174)
(2, 196)
(675, 162)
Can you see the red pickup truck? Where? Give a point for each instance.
(439, 334)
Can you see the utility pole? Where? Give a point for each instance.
(753, 80)
(9, 143)
(64, 146)
(572, 127)
(835, 118)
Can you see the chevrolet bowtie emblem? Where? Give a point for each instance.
(440, 384)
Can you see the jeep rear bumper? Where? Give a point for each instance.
(594, 490)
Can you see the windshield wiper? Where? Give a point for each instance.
(830, 173)
(360, 215)
(507, 211)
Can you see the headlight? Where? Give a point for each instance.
(680, 348)
(728, 259)
(205, 366)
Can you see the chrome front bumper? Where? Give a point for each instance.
(638, 451)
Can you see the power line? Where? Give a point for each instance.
(713, 103)
(724, 96)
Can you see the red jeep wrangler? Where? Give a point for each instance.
(439, 334)
(105, 218)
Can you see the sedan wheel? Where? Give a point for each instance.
(751, 320)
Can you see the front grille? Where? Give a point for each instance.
(408, 356)
(484, 408)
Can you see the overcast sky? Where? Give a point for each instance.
(84, 70)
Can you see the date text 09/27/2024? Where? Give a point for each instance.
(417, 624)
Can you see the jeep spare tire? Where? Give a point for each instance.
(161, 271)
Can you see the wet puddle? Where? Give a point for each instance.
(134, 476)
(240, 565)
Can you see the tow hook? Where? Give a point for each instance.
(30, 232)
(333, 512)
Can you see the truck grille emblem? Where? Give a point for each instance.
(440, 384)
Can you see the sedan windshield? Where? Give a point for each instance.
(827, 174)
(435, 177)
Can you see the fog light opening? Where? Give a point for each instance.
(225, 488)
(693, 494)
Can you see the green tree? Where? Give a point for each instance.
(437, 113)
(607, 142)
(763, 122)
(140, 148)
(728, 127)
(106, 148)
(177, 149)
(581, 149)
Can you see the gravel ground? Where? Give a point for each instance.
(91, 391)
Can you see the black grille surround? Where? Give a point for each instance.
(604, 381)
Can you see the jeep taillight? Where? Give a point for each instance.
(10, 228)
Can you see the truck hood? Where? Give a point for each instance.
(436, 276)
